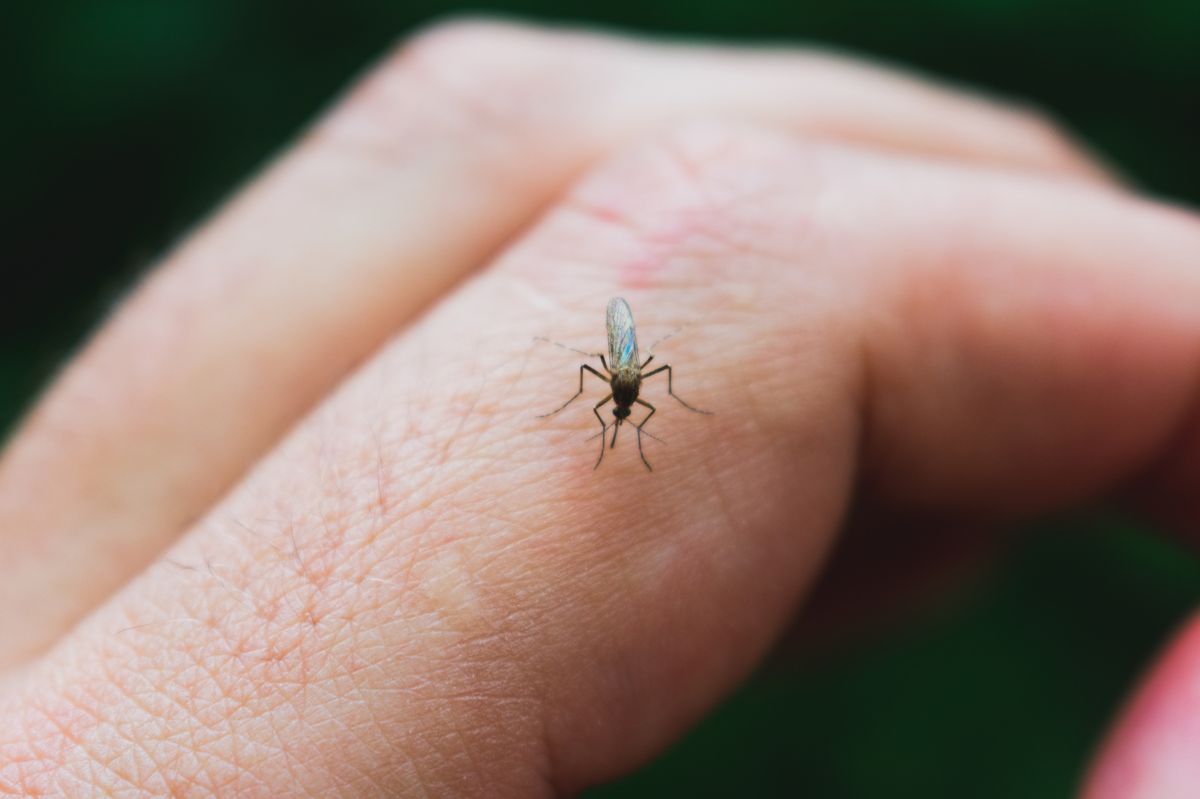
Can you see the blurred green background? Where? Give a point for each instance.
(126, 121)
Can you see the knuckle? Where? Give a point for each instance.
(454, 79)
(463, 37)
(1046, 135)
(1042, 128)
(447, 48)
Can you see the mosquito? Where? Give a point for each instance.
(624, 377)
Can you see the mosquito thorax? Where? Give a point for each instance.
(626, 382)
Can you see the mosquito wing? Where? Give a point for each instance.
(622, 338)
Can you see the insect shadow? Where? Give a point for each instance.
(624, 377)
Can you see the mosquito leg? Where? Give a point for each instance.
(654, 346)
(670, 388)
(565, 347)
(604, 363)
(646, 362)
(640, 425)
(644, 432)
(603, 427)
(582, 367)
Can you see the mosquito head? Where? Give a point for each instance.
(621, 412)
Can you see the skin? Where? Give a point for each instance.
(288, 525)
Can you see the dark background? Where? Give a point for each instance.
(126, 121)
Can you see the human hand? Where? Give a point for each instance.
(897, 290)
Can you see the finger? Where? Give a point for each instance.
(1152, 752)
(427, 589)
(425, 169)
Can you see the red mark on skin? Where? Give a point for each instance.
(1154, 750)
(639, 273)
(660, 237)
(607, 213)
(660, 246)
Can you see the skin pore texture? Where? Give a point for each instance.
(324, 547)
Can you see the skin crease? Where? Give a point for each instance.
(422, 590)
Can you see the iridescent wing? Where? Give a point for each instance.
(622, 338)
